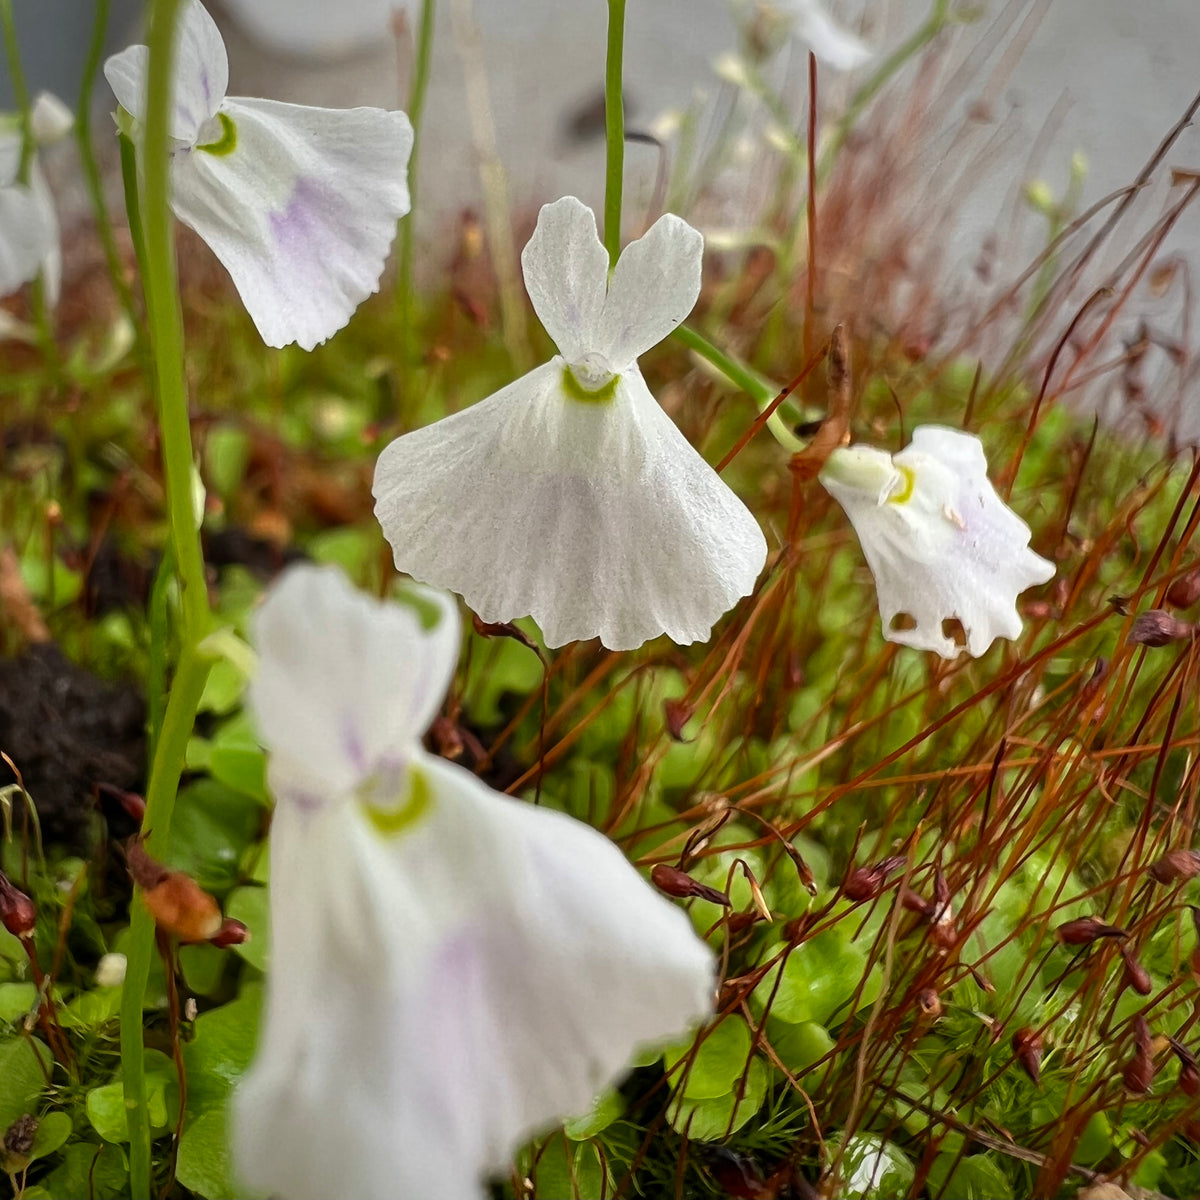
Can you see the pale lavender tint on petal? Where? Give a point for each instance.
(299, 230)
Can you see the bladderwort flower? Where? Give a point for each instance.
(450, 970)
(29, 234)
(300, 204)
(570, 495)
(831, 42)
(938, 539)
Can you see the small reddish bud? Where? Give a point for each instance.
(446, 738)
(1138, 1072)
(1028, 1046)
(17, 912)
(231, 933)
(915, 903)
(930, 1003)
(1189, 1075)
(1175, 866)
(675, 882)
(865, 883)
(678, 713)
(1085, 930)
(807, 879)
(178, 904)
(1135, 975)
(1158, 628)
(1183, 593)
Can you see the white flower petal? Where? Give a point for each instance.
(655, 285)
(566, 274)
(26, 237)
(199, 77)
(938, 539)
(438, 996)
(50, 119)
(302, 210)
(51, 262)
(345, 684)
(830, 42)
(597, 518)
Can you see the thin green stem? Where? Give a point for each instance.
(165, 771)
(166, 323)
(614, 130)
(150, 220)
(762, 391)
(20, 91)
(416, 108)
(91, 170)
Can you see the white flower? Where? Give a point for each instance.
(299, 203)
(451, 970)
(830, 42)
(939, 541)
(29, 234)
(570, 495)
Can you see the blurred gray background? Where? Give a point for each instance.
(1106, 78)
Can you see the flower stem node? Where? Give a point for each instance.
(570, 496)
(941, 544)
(300, 204)
(451, 970)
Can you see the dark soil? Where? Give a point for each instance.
(68, 731)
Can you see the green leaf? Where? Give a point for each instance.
(51, 1134)
(106, 1109)
(249, 905)
(873, 1169)
(24, 1067)
(569, 1171)
(17, 1000)
(223, 688)
(89, 1169)
(212, 827)
(818, 979)
(718, 1063)
(976, 1177)
(714, 1120)
(609, 1107)
(204, 1165)
(799, 1046)
(90, 1009)
(240, 766)
(203, 967)
(221, 1048)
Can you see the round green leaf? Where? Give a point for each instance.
(51, 1134)
(249, 905)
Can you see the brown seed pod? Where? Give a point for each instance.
(1156, 627)
(675, 882)
(1135, 975)
(1085, 930)
(1175, 866)
(865, 883)
(17, 1144)
(1028, 1046)
(1184, 592)
(1138, 1072)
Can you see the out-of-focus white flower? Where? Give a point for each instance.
(570, 495)
(299, 203)
(830, 42)
(110, 970)
(939, 541)
(450, 970)
(29, 234)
